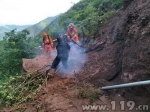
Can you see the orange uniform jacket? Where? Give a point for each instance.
(73, 34)
(47, 40)
(48, 43)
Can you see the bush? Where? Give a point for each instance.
(16, 46)
(19, 89)
(88, 91)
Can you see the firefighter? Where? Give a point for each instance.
(72, 34)
(63, 49)
(47, 42)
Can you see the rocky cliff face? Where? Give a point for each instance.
(121, 54)
(123, 48)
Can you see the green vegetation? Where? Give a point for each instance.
(8, 28)
(88, 15)
(14, 47)
(20, 88)
(37, 28)
(88, 91)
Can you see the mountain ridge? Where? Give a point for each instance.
(8, 28)
(37, 28)
(33, 29)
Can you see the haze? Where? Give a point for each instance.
(28, 12)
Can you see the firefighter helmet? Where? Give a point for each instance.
(71, 25)
(44, 33)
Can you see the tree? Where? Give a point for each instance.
(16, 46)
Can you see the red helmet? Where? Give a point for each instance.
(71, 25)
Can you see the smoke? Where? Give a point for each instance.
(53, 54)
(76, 60)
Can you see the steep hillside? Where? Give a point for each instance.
(126, 44)
(37, 28)
(87, 15)
(50, 26)
(121, 53)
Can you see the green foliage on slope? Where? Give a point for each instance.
(19, 89)
(37, 28)
(87, 14)
(15, 87)
(14, 47)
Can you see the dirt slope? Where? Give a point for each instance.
(126, 49)
(63, 95)
(125, 54)
(121, 54)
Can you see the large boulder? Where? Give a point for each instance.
(39, 63)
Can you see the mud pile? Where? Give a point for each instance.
(123, 49)
(122, 52)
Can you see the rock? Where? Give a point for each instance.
(36, 63)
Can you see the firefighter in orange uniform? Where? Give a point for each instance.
(72, 33)
(47, 42)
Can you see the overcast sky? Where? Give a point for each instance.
(25, 12)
